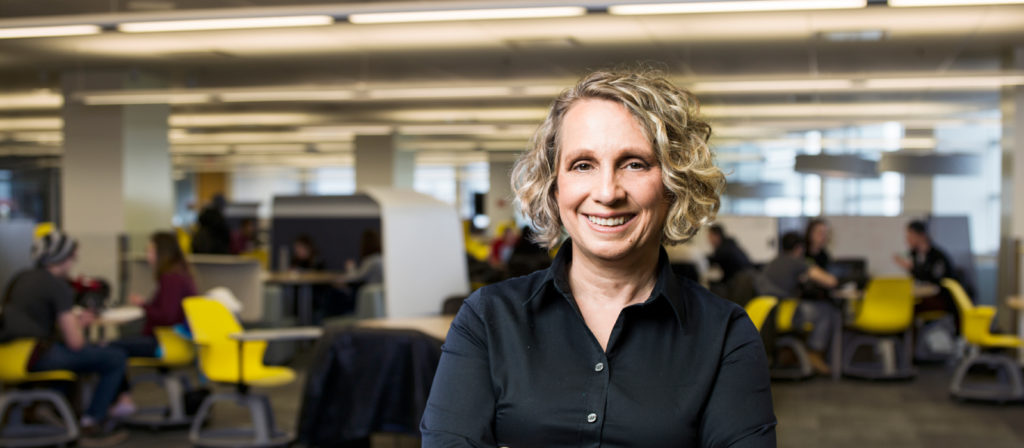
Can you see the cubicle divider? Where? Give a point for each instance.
(423, 249)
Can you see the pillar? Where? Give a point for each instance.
(116, 173)
(500, 198)
(379, 163)
(1011, 223)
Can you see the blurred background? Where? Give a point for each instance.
(118, 117)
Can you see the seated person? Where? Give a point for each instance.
(731, 259)
(174, 283)
(304, 255)
(928, 264)
(38, 304)
(816, 239)
(783, 278)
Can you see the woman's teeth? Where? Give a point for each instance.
(610, 222)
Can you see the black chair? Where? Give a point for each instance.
(452, 304)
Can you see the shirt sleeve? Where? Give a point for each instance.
(739, 412)
(460, 410)
(63, 297)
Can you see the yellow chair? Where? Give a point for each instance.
(13, 402)
(758, 309)
(885, 317)
(225, 360)
(175, 352)
(789, 338)
(975, 322)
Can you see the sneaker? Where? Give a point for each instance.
(123, 410)
(101, 435)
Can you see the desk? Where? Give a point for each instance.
(105, 325)
(303, 282)
(433, 326)
(270, 335)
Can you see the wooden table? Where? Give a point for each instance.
(303, 282)
(433, 326)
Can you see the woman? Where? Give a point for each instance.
(607, 347)
(304, 255)
(174, 283)
(817, 237)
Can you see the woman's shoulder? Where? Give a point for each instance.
(707, 305)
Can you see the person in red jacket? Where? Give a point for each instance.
(163, 309)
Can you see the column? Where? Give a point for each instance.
(116, 173)
(379, 163)
(500, 198)
(1011, 224)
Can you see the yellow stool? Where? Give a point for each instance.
(758, 309)
(789, 338)
(883, 323)
(175, 352)
(975, 322)
(13, 402)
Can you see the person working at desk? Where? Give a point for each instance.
(174, 283)
(304, 255)
(38, 304)
(727, 254)
(607, 347)
(817, 237)
(784, 277)
(928, 264)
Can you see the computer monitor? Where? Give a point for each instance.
(850, 270)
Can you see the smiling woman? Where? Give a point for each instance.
(607, 347)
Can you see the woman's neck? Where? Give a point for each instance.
(616, 283)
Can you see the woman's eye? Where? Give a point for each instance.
(582, 166)
(636, 165)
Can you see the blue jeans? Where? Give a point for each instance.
(108, 363)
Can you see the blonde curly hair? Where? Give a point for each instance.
(669, 117)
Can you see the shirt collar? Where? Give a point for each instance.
(667, 287)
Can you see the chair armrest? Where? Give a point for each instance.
(279, 334)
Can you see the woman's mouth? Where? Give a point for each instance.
(613, 221)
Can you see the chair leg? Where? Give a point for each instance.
(1009, 387)
(200, 418)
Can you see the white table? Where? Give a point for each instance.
(433, 326)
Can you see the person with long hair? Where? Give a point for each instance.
(174, 282)
(816, 238)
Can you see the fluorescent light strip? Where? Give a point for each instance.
(32, 123)
(438, 92)
(467, 14)
(916, 3)
(49, 31)
(224, 24)
(286, 95)
(732, 6)
(124, 99)
(960, 82)
(786, 85)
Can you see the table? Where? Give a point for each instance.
(270, 335)
(303, 282)
(105, 325)
(433, 326)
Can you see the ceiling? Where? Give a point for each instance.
(545, 54)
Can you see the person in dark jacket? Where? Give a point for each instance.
(174, 281)
(727, 255)
(212, 235)
(817, 237)
(928, 264)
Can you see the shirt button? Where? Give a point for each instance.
(591, 418)
(599, 367)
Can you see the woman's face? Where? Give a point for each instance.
(609, 191)
(151, 253)
(819, 236)
(300, 250)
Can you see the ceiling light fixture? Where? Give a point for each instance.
(947, 83)
(256, 96)
(224, 24)
(49, 31)
(732, 6)
(42, 99)
(916, 3)
(781, 85)
(467, 14)
(151, 97)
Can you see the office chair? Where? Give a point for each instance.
(759, 308)
(16, 432)
(975, 322)
(176, 352)
(886, 316)
(790, 339)
(226, 360)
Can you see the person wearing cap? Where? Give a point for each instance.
(38, 304)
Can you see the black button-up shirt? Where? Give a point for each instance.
(520, 368)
